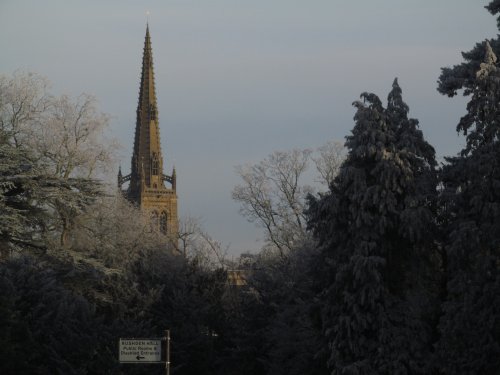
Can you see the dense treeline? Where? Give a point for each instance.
(394, 269)
(80, 267)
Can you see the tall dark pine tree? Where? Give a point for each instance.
(373, 230)
(470, 325)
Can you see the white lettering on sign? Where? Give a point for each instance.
(140, 350)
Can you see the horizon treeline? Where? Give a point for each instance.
(393, 269)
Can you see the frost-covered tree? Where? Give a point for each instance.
(196, 245)
(463, 76)
(273, 192)
(113, 233)
(65, 141)
(20, 216)
(272, 196)
(27, 194)
(373, 230)
(470, 324)
(328, 161)
(24, 100)
(70, 143)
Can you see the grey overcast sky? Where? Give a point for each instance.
(237, 80)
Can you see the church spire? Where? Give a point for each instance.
(147, 93)
(147, 182)
(147, 160)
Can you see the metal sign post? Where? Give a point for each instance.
(167, 350)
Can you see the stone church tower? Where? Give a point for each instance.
(147, 182)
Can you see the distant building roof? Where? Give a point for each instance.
(237, 277)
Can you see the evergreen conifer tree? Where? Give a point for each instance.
(462, 76)
(371, 227)
(45, 329)
(19, 217)
(470, 324)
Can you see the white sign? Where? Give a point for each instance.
(140, 350)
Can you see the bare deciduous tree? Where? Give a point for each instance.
(197, 245)
(272, 196)
(70, 139)
(331, 155)
(114, 233)
(273, 193)
(24, 99)
(67, 135)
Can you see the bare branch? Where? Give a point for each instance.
(328, 162)
(271, 196)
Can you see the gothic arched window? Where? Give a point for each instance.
(163, 222)
(154, 165)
